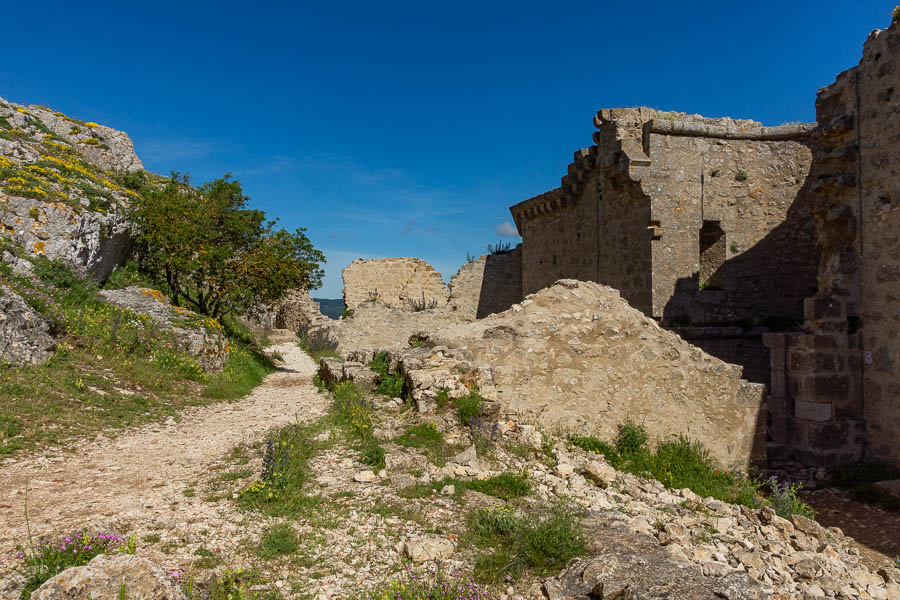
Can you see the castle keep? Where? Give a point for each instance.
(735, 234)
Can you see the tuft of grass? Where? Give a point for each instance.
(355, 416)
(540, 542)
(436, 585)
(677, 463)
(278, 540)
(427, 437)
(280, 489)
(741, 175)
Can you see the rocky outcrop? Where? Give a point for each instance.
(98, 241)
(199, 336)
(111, 577)
(577, 356)
(24, 334)
(59, 195)
(393, 282)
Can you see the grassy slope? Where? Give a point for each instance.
(110, 369)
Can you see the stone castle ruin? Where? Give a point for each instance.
(772, 248)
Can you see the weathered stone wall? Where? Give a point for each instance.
(696, 221)
(577, 356)
(488, 285)
(836, 388)
(394, 282)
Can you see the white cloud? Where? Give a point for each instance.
(506, 229)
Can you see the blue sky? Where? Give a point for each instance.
(403, 129)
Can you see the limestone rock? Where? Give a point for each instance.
(200, 337)
(24, 334)
(632, 565)
(364, 477)
(104, 577)
(87, 229)
(429, 548)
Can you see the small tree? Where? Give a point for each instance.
(215, 255)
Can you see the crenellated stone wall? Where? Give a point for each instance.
(693, 219)
(835, 388)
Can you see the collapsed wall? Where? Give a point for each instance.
(836, 387)
(393, 282)
(576, 356)
(298, 310)
(491, 283)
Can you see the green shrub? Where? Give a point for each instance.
(389, 384)
(896, 14)
(468, 408)
(631, 438)
(318, 343)
(741, 175)
(217, 255)
(348, 313)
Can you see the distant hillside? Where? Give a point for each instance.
(332, 308)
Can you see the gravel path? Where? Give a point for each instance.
(139, 477)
